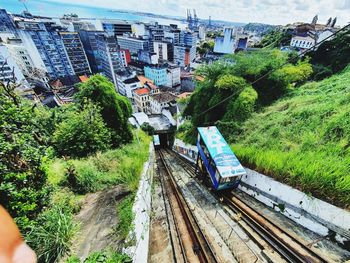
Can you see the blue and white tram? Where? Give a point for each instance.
(216, 158)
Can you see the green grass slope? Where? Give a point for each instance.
(303, 140)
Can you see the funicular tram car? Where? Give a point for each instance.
(216, 159)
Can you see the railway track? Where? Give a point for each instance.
(288, 246)
(188, 242)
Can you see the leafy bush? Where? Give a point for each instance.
(82, 177)
(65, 199)
(243, 107)
(229, 96)
(118, 166)
(22, 149)
(276, 38)
(83, 133)
(187, 133)
(115, 108)
(321, 72)
(105, 256)
(147, 128)
(333, 54)
(52, 233)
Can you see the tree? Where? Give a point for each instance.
(227, 92)
(331, 56)
(115, 109)
(146, 127)
(82, 133)
(243, 107)
(276, 38)
(22, 150)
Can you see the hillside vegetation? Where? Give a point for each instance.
(230, 81)
(303, 139)
(282, 125)
(49, 158)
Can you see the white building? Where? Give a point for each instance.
(133, 44)
(174, 35)
(125, 57)
(160, 101)
(127, 82)
(323, 35)
(161, 50)
(141, 99)
(302, 42)
(21, 56)
(10, 71)
(173, 75)
(29, 45)
(140, 30)
(225, 44)
(201, 33)
(127, 86)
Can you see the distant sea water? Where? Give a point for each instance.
(52, 9)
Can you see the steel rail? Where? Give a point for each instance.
(289, 247)
(172, 241)
(200, 243)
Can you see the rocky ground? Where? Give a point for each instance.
(98, 217)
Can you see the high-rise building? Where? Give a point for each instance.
(6, 22)
(125, 57)
(147, 57)
(133, 44)
(109, 54)
(182, 55)
(164, 51)
(127, 82)
(173, 34)
(140, 30)
(10, 71)
(89, 41)
(21, 55)
(49, 44)
(185, 52)
(188, 38)
(76, 53)
(116, 27)
(201, 32)
(174, 75)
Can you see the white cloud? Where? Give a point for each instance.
(265, 11)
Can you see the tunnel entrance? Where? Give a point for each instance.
(163, 140)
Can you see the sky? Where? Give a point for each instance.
(264, 11)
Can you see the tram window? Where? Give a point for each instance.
(204, 147)
(217, 175)
(206, 152)
(227, 180)
(212, 163)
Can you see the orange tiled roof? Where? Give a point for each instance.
(83, 78)
(142, 91)
(184, 95)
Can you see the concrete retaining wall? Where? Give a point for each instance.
(312, 213)
(142, 210)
